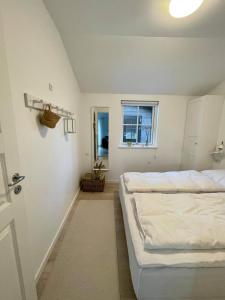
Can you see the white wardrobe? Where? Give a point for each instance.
(201, 131)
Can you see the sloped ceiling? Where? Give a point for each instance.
(135, 46)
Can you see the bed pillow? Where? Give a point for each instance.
(216, 175)
(222, 182)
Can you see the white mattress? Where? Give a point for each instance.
(169, 275)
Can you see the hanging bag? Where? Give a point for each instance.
(49, 118)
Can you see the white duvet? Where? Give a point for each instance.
(181, 221)
(171, 182)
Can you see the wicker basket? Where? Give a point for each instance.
(90, 184)
(49, 118)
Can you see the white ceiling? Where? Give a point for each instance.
(134, 46)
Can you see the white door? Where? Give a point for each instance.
(16, 275)
(191, 137)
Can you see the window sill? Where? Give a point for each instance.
(122, 146)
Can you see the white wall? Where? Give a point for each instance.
(49, 159)
(172, 114)
(219, 89)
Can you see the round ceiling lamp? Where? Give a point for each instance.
(183, 8)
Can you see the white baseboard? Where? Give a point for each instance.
(45, 259)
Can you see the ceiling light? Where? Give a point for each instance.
(183, 8)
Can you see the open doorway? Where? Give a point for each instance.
(101, 135)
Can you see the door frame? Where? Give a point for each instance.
(94, 111)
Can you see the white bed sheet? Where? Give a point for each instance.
(167, 276)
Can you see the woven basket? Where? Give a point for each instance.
(49, 118)
(89, 184)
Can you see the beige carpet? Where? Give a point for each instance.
(86, 264)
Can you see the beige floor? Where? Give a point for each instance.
(96, 267)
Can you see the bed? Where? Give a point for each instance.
(172, 275)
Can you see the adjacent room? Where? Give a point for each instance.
(112, 158)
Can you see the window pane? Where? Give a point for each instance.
(145, 115)
(130, 114)
(129, 133)
(144, 134)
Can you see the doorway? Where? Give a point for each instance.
(100, 117)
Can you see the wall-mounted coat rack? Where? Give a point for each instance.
(39, 104)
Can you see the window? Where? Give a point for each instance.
(139, 122)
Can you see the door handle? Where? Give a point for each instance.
(16, 178)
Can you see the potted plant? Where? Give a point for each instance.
(94, 182)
